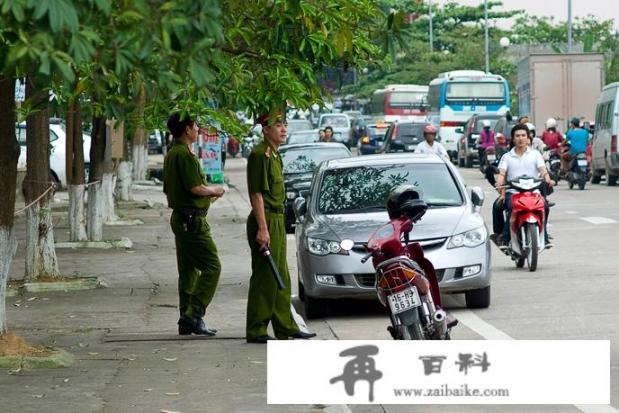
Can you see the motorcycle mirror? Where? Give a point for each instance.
(347, 244)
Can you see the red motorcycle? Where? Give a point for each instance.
(526, 223)
(406, 282)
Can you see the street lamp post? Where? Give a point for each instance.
(569, 26)
(486, 46)
(430, 17)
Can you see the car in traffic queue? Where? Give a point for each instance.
(403, 137)
(341, 125)
(373, 138)
(469, 135)
(297, 125)
(300, 161)
(347, 201)
(58, 147)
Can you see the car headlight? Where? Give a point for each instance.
(291, 195)
(319, 246)
(472, 238)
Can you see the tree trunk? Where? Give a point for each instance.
(75, 172)
(123, 184)
(107, 190)
(8, 173)
(40, 252)
(140, 140)
(95, 196)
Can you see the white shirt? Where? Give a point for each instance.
(518, 165)
(436, 149)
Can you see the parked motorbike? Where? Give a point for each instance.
(526, 223)
(579, 173)
(406, 282)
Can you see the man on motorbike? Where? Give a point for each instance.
(430, 145)
(520, 160)
(577, 138)
(486, 140)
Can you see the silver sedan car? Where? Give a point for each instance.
(347, 200)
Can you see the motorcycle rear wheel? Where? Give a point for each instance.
(412, 332)
(532, 236)
(581, 185)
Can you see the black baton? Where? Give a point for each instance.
(278, 278)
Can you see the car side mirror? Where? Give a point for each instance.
(459, 130)
(477, 196)
(300, 208)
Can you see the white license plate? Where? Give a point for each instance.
(582, 162)
(404, 300)
(411, 147)
(491, 157)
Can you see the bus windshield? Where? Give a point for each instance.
(406, 99)
(475, 91)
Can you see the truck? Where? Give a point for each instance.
(560, 86)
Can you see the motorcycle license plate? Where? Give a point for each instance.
(491, 157)
(582, 162)
(404, 300)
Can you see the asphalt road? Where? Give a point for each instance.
(572, 295)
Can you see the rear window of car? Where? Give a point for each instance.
(409, 132)
(302, 160)
(478, 124)
(365, 188)
(302, 137)
(299, 125)
(336, 121)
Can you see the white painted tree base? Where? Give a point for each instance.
(107, 189)
(124, 181)
(77, 219)
(8, 247)
(125, 223)
(95, 214)
(140, 159)
(124, 242)
(40, 253)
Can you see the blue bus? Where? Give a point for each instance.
(456, 96)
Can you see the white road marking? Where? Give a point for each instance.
(490, 332)
(599, 220)
(571, 212)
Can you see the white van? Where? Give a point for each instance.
(604, 156)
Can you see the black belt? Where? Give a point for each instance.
(274, 210)
(199, 212)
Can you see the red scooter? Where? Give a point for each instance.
(406, 282)
(526, 223)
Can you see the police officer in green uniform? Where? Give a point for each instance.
(196, 255)
(265, 227)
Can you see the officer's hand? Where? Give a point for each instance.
(218, 191)
(263, 238)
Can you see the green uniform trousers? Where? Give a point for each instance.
(198, 265)
(265, 303)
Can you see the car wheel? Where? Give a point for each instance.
(611, 180)
(469, 161)
(314, 308)
(55, 181)
(596, 179)
(301, 290)
(479, 298)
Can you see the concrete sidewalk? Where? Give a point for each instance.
(128, 354)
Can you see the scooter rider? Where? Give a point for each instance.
(551, 137)
(577, 138)
(430, 145)
(520, 160)
(486, 140)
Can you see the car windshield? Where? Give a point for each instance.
(298, 125)
(410, 132)
(365, 188)
(479, 126)
(335, 121)
(303, 160)
(374, 132)
(302, 137)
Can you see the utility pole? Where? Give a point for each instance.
(486, 45)
(430, 16)
(569, 26)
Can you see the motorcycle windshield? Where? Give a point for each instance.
(381, 235)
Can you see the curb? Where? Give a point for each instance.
(124, 242)
(76, 284)
(58, 359)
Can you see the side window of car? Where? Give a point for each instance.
(52, 136)
(20, 134)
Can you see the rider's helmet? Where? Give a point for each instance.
(485, 123)
(531, 128)
(551, 123)
(405, 200)
(429, 129)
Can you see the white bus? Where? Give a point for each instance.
(456, 96)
